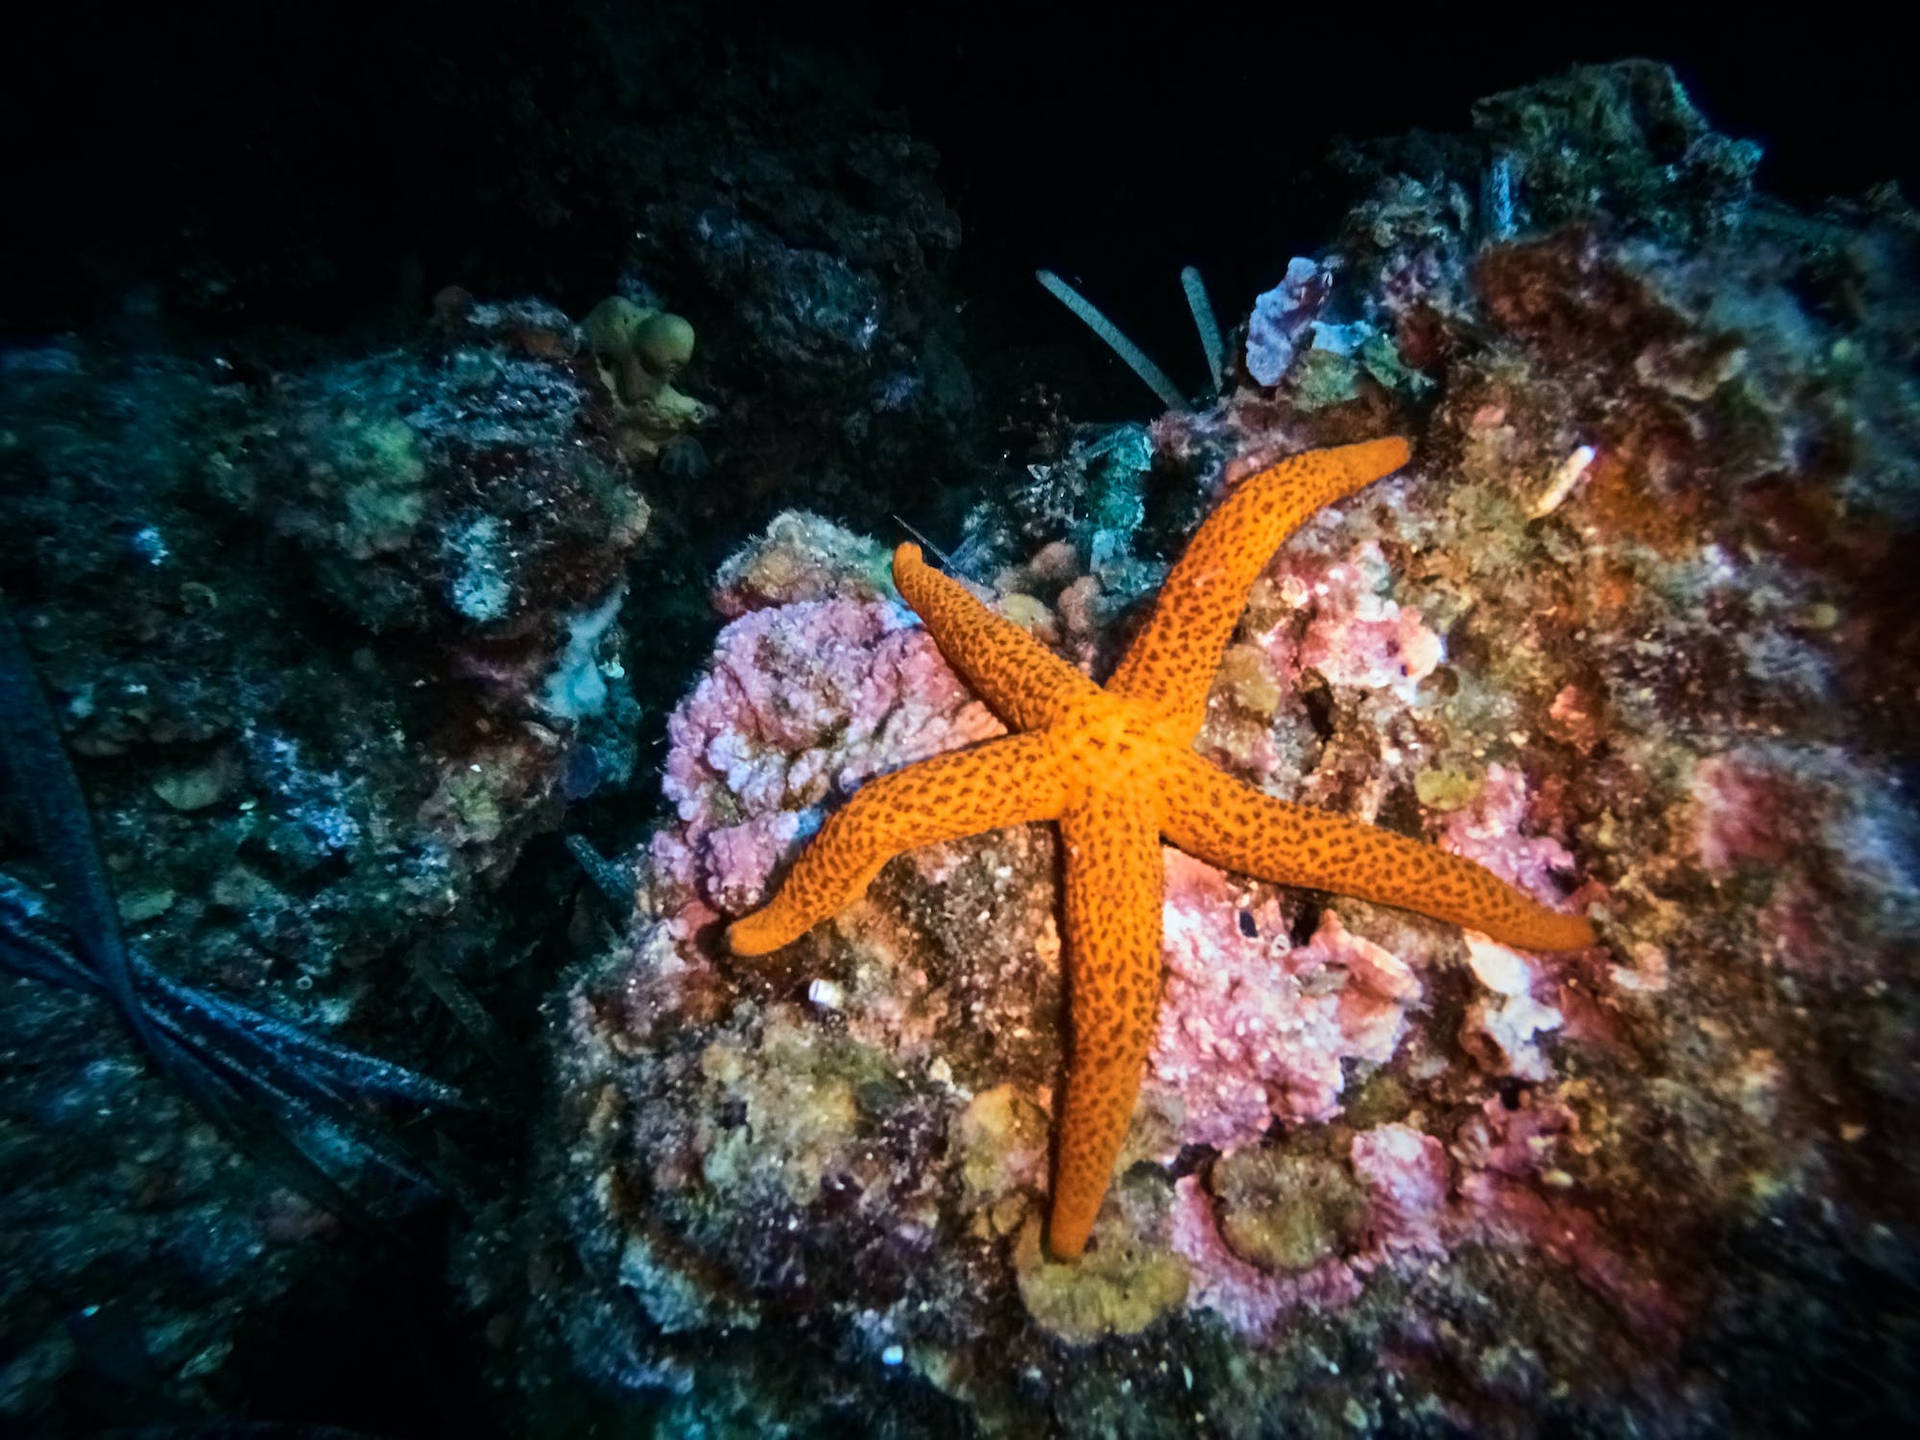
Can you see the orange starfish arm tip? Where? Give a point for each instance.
(1113, 976)
(1216, 818)
(1172, 664)
(1008, 781)
(1022, 681)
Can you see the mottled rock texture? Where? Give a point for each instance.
(1384, 1177)
(325, 645)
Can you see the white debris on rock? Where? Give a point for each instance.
(1501, 1026)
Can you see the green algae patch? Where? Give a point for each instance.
(800, 1095)
(1449, 787)
(1122, 1284)
(999, 1144)
(1000, 1141)
(1287, 1213)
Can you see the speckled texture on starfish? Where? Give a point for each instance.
(1115, 766)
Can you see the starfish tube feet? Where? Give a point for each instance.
(1113, 956)
(1008, 781)
(1214, 817)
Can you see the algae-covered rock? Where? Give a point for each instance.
(1124, 1282)
(802, 557)
(294, 623)
(798, 1093)
(1000, 1140)
(1287, 1212)
(196, 787)
(1619, 633)
(1448, 787)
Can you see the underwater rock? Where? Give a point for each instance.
(805, 232)
(450, 520)
(802, 557)
(1621, 143)
(1670, 681)
(1281, 316)
(326, 645)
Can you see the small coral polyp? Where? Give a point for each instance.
(638, 351)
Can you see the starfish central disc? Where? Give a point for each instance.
(1108, 742)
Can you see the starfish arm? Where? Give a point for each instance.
(1113, 956)
(1024, 683)
(1171, 665)
(1008, 781)
(1214, 817)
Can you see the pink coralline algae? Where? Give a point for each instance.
(1422, 1204)
(1359, 638)
(1251, 1028)
(800, 705)
(1242, 1294)
(1407, 1177)
(1516, 1003)
(1354, 635)
(1502, 1023)
(1741, 815)
(1505, 1155)
(1490, 831)
(1761, 808)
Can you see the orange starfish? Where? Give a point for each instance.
(1115, 766)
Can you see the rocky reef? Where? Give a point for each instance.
(345, 590)
(341, 634)
(1629, 631)
(329, 644)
